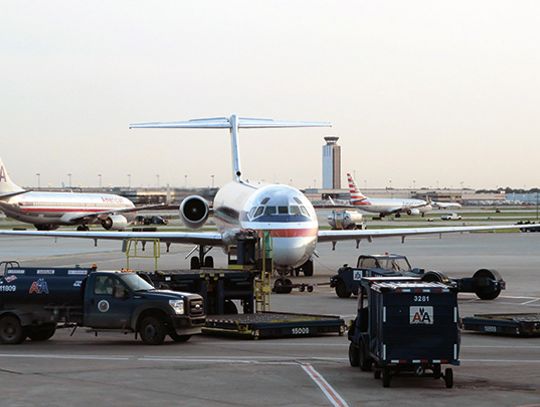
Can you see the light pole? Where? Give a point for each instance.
(185, 180)
(69, 178)
(99, 177)
(129, 181)
(38, 175)
(157, 178)
(212, 176)
(414, 184)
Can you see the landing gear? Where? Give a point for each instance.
(306, 268)
(46, 227)
(202, 260)
(283, 286)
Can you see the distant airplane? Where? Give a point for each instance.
(50, 210)
(240, 207)
(386, 206)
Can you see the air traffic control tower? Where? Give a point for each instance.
(331, 164)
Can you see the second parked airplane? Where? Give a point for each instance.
(49, 210)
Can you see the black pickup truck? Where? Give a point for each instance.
(485, 283)
(34, 302)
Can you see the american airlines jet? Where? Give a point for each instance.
(386, 206)
(50, 210)
(240, 207)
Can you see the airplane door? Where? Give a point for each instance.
(109, 306)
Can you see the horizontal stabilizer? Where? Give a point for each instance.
(10, 194)
(225, 123)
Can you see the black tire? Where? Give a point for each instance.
(341, 289)
(308, 268)
(287, 286)
(386, 377)
(152, 331)
(11, 331)
(437, 372)
(354, 355)
(229, 307)
(278, 286)
(448, 377)
(309, 288)
(433, 276)
(487, 293)
(179, 338)
(209, 262)
(377, 374)
(194, 263)
(41, 333)
(365, 361)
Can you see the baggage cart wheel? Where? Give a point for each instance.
(487, 293)
(302, 288)
(288, 286)
(309, 288)
(386, 377)
(11, 331)
(354, 355)
(341, 289)
(449, 378)
(365, 360)
(377, 373)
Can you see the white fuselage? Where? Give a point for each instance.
(388, 206)
(281, 210)
(60, 208)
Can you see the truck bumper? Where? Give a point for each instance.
(186, 325)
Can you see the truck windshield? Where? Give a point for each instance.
(135, 283)
(397, 265)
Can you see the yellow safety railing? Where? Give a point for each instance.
(133, 251)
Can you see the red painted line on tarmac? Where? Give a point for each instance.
(329, 392)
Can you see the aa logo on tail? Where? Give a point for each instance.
(2, 174)
(421, 315)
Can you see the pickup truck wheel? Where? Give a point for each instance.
(449, 378)
(354, 355)
(11, 331)
(179, 338)
(41, 333)
(386, 377)
(365, 360)
(341, 290)
(152, 331)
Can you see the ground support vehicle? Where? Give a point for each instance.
(526, 325)
(485, 283)
(273, 325)
(218, 287)
(34, 302)
(405, 327)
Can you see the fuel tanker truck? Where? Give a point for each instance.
(34, 302)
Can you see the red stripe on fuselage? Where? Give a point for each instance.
(69, 209)
(312, 232)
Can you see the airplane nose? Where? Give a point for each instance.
(292, 251)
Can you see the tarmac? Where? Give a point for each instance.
(115, 369)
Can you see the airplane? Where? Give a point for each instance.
(49, 210)
(240, 207)
(386, 206)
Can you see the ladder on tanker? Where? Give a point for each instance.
(262, 286)
(131, 248)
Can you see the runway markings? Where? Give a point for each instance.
(331, 394)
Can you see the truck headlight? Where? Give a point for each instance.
(177, 306)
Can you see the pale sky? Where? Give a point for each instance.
(431, 91)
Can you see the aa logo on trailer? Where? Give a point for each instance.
(421, 315)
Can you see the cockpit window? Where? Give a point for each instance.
(304, 210)
(294, 210)
(259, 211)
(265, 201)
(270, 210)
(298, 201)
(283, 210)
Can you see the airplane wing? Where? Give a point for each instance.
(98, 214)
(204, 238)
(339, 235)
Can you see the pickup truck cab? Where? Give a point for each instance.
(34, 302)
(451, 216)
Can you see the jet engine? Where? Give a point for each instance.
(413, 211)
(194, 211)
(345, 220)
(114, 222)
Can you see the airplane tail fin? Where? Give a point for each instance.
(232, 123)
(356, 195)
(7, 186)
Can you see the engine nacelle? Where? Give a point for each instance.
(114, 222)
(341, 220)
(194, 211)
(413, 211)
